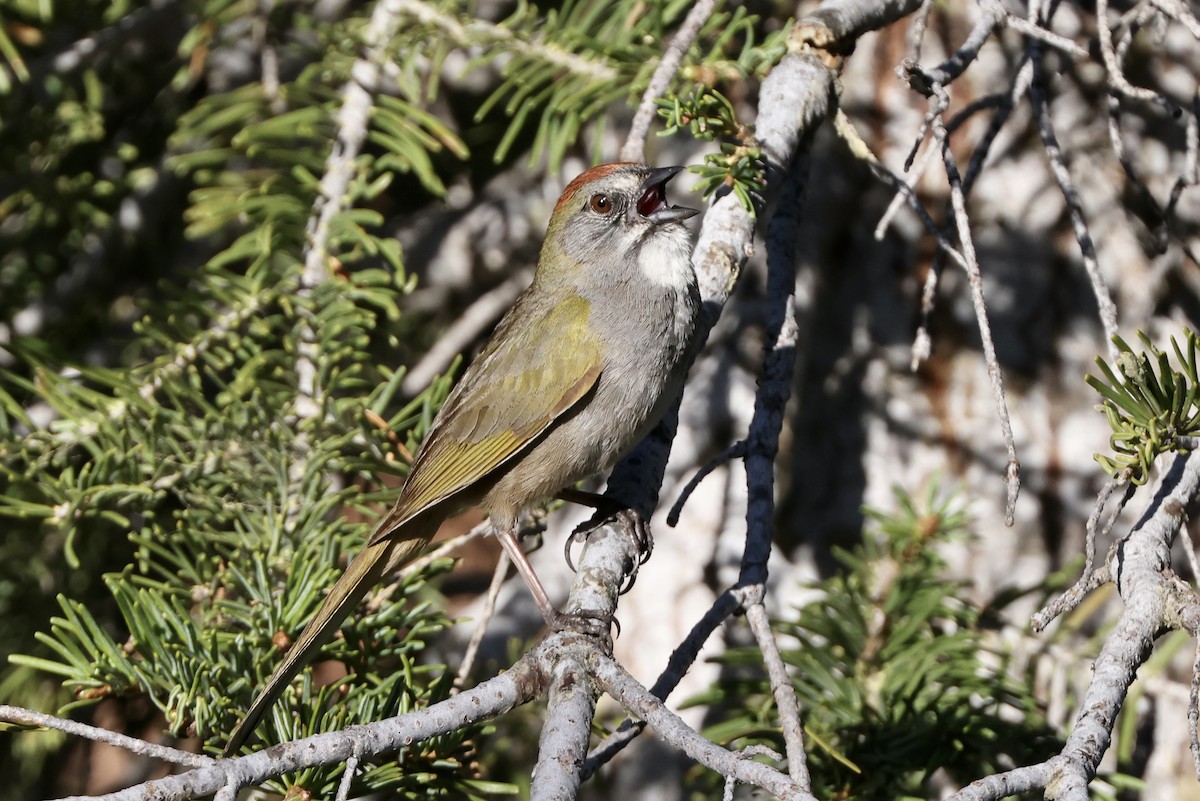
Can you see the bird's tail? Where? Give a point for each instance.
(371, 564)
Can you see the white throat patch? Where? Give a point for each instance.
(666, 257)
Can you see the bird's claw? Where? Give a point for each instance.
(588, 623)
(643, 541)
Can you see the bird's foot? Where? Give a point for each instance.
(643, 541)
(588, 623)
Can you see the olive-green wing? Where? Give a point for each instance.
(537, 366)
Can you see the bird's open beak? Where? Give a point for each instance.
(652, 204)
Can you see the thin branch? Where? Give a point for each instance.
(975, 280)
(1034, 31)
(1194, 708)
(923, 79)
(485, 616)
(343, 791)
(1083, 235)
(916, 30)
(1181, 13)
(673, 731)
(859, 149)
(1116, 75)
(1070, 599)
(784, 694)
(735, 451)
(914, 171)
(680, 661)
(518, 685)
(660, 82)
(27, 717)
(1091, 578)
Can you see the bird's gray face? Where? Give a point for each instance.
(618, 216)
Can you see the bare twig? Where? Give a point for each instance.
(784, 694)
(914, 171)
(671, 729)
(975, 279)
(916, 30)
(634, 148)
(1116, 75)
(735, 451)
(681, 659)
(1083, 235)
(343, 791)
(1181, 13)
(1091, 578)
(485, 616)
(1034, 31)
(859, 149)
(1070, 599)
(1194, 708)
(923, 79)
(27, 717)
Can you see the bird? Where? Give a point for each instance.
(581, 367)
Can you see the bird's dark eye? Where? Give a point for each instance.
(601, 204)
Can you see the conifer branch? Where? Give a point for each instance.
(479, 33)
(352, 121)
(634, 148)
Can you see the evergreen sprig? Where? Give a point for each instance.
(565, 67)
(1150, 404)
(709, 115)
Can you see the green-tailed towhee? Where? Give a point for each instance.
(579, 370)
